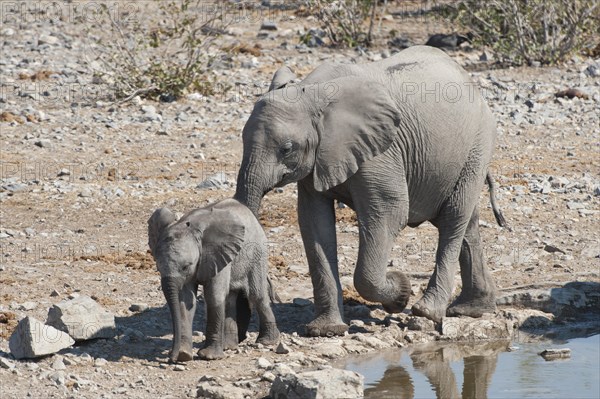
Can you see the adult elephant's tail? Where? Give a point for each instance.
(497, 213)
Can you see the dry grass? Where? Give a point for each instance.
(39, 75)
(8, 323)
(133, 260)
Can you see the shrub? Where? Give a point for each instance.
(344, 20)
(161, 59)
(524, 31)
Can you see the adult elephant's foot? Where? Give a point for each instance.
(269, 335)
(400, 280)
(211, 352)
(324, 326)
(472, 307)
(182, 356)
(429, 308)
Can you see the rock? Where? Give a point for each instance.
(179, 367)
(58, 378)
(47, 39)
(217, 181)
(268, 25)
(138, 307)
(149, 114)
(43, 143)
(100, 362)
(282, 349)
(575, 205)
(6, 363)
(32, 339)
(282, 369)
(371, 341)
(468, 329)
(263, 363)
(206, 390)
(552, 249)
(420, 324)
(148, 109)
(592, 71)
(27, 306)
(446, 42)
(572, 93)
(13, 188)
(301, 302)
(323, 384)
(82, 318)
(59, 364)
(553, 354)
(400, 43)
(268, 376)
(85, 193)
(331, 350)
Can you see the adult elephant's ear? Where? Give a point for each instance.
(221, 235)
(359, 121)
(160, 219)
(281, 78)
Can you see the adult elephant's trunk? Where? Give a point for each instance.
(251, 187)
(171, 290)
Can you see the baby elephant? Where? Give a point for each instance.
(223, 248)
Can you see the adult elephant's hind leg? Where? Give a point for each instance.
(441, 284)
(478, 295)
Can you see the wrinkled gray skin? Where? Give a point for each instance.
(402, 141)
(223, 248)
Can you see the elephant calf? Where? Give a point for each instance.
(223, 248)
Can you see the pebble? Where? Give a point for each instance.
(301, 302)
(553, 354)
(58, 378)
(58, 363)
(138, 307)
(44, 143)
(179, 367)
(263, 363)
(85, 193)
(282, 349)
(268, 25)
(6, 363)
(27, 306)
(47, 39)
(100, 362)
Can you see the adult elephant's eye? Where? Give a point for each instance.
(286, 148)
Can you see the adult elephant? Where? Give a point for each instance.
(401, 141)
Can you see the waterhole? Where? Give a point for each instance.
(498, 369)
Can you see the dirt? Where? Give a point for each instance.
(73, 209)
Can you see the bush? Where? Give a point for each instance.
(161, 59)
(524, 31)
(344, 20)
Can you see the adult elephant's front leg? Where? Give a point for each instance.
(316, 217)
(382, 212)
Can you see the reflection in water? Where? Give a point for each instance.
(433, 361)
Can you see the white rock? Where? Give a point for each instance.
(82, 318)
(6, 363)
(323, 384)
(206, 390)
(47, 39)
(263, 363)
(100, 362)
(467, 329)
(59, 364)
(32, 339)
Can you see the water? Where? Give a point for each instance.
(483, 370)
